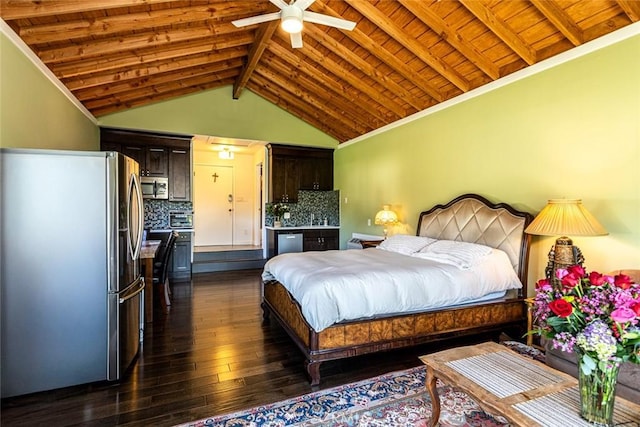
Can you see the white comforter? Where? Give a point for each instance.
(334, 286)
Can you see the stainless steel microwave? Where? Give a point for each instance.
(154, 187)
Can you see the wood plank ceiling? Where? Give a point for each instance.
(402, 57)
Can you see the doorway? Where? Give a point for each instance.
(228, 191)
(213, 204)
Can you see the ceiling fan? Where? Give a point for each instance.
(292, 15)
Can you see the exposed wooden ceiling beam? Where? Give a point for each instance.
(387, 25)
(160, 88)
(161, 97)
(311, 99)
(631, 8)
(335, 98)
(431, 19)
(336, 69)
(355, 97)
(19, 9)
(263, 37)
(107, 26)
(114, 63)
(554, 13)
(385, 56)
(96, 48)
(365, 67)
(501, 30)
(264, 88)
(120, 86)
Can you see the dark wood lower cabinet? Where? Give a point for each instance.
(320, 240)
(180, 263)
(312, 239)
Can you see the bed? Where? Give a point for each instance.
(468, 218)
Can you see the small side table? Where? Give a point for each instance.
(370, 243)
(529, 302)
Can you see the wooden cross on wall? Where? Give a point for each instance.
(215, 177)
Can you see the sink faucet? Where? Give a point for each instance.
(312, 220)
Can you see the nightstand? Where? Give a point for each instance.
(370, 243)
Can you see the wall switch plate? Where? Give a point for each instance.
(287, 215)
(369, 222)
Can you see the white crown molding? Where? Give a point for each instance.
(21, 45)
(584, 49)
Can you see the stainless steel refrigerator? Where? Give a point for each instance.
(71, 285)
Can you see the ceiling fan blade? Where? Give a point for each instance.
(256, 19)
(303, 4)
(296, 40)
(280, 3)
(318, 18)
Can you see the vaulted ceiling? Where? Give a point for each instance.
(402, 57)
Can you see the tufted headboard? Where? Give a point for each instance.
(472, 218)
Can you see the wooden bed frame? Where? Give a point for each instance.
(469, 218)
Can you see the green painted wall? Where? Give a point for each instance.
(216, 113)
(33, 111)
(572, 131)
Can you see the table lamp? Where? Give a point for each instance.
(564, 217)
(386, 217)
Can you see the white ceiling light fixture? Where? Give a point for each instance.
(226, 154)
(292, 16)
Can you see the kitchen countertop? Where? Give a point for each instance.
(303, 227)
(168, 230)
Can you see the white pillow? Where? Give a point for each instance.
(457, 247)
(405, 244)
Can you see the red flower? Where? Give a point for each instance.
(597, 279)
(570, 280)
(636, 308)
(622, 281)
(576, 270)
(542, 283)
(561, 307)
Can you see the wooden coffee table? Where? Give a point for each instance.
(524, 391)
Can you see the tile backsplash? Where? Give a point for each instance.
(156, 212)
(322, 204)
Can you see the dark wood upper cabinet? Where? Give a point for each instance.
(158, 155)
(179, 175)
(294, 168)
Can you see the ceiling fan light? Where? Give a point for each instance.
(291, 17)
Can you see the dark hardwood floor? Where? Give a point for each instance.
(208, 354)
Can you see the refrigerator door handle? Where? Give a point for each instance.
(135, 187)
(133, 294)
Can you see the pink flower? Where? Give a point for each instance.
(561, 272)
(623, 315)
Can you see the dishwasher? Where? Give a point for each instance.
(289, 243)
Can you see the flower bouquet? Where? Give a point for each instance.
(598, 317)
(277, 209)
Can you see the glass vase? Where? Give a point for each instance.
(597, 382)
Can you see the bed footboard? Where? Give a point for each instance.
(354, 338)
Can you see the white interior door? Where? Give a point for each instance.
(213, 205)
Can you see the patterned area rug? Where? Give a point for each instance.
(394, 399)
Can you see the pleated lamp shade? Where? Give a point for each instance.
(386, 216)
(563, 217)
